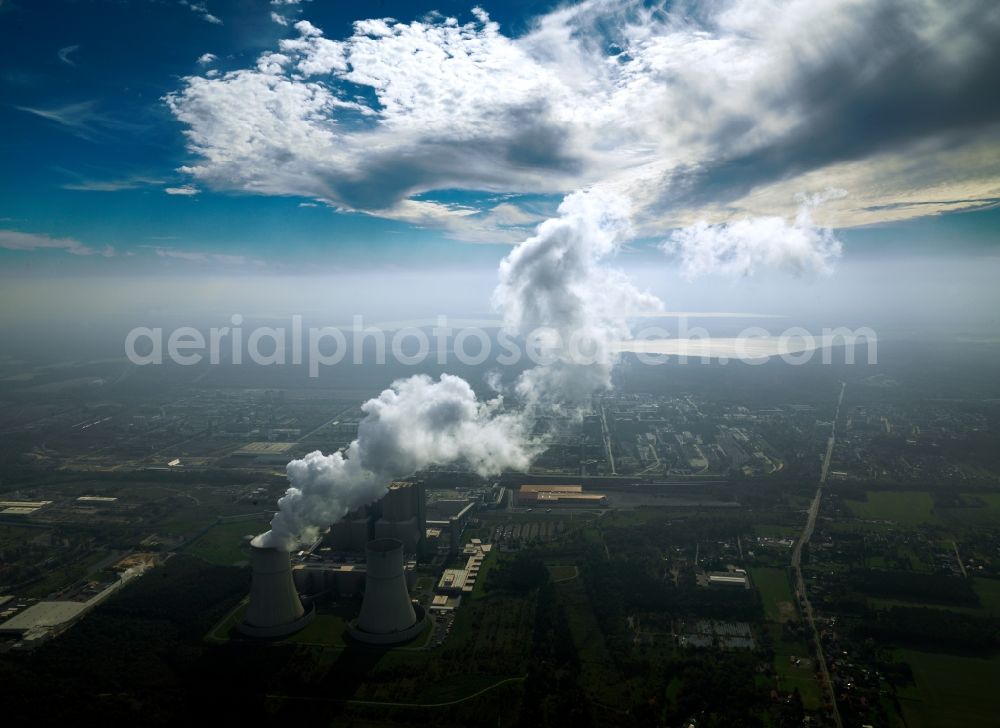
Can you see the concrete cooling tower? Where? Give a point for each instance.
(275, 609)
(387, 615)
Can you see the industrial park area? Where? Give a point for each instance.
(649, 551)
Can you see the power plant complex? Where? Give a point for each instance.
(390, 533)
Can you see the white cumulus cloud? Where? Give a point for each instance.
(692, 111)
(741, 247)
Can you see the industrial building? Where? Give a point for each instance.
(343, 579)
(387, 615)
(400, 514)
(737, 578)
(446, 520)
(456, 582)
(266, 453)
(559, 495)
(275, 609)
(43, 617)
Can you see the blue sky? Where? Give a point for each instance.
(306, 142)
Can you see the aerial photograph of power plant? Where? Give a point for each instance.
(523, 363)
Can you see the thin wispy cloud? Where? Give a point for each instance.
(65, 53)
(201, 8)
(31, 242)
(199, 256)
(83, 119)
(111, 185)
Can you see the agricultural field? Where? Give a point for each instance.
(794, 667)
(223, 543)
(983, 511)
(775, 592)
(562, 572)
(907, 508)
(949, 690)
(770, 530)
(988, 591)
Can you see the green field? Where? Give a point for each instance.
(479, 588)
(776, 593)
(325, 629)
(598, 675)
(223, 543)
(790, 675)
(63, 576)
(988, 591)
(770, 530)
(989, 595)
(986, 516)
(949, 690)
(562, 572)
(905, 507)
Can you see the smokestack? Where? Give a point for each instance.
(275, 608)
(387, 615)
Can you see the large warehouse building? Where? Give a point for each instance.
(559, 495)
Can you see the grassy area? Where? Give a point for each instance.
(880, 603)
(988, 591)
(63, 577)
(11, 535)
(498, 625)
(479, 588)
(325, 629)
(770, 530)
(985, 516)
(223, 543)
(989, 594)
(905, 507)
(790, 675)
(223, 630)
(776, 593)
(949, 690)
(562, 572)
(598, 675)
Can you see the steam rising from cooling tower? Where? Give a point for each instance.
(555, 279)
(415, 423)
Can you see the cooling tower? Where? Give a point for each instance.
(275, 609)
(387, 615)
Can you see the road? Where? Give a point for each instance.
(800, 585)
(958, 558)
(607, 440)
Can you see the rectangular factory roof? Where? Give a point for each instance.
(265, 448)
(43, 615)
(527, 488)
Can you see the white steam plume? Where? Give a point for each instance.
(554, 280)
(557, 281)
(416, 423)
(739, 248)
